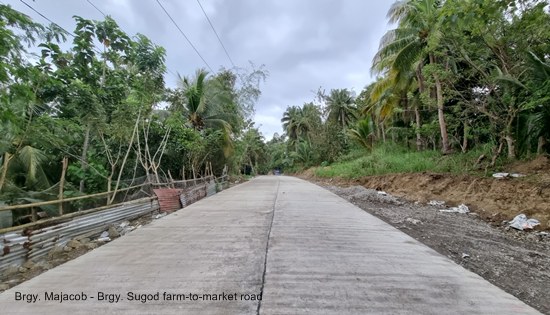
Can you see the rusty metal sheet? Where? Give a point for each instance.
(169, 199)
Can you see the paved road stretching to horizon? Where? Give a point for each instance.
(300, 248)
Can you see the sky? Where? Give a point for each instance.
(304, 44)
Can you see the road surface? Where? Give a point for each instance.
(298, 247)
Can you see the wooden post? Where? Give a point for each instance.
(33, 214)
(171, 180)
(64, 165)
(183, 177)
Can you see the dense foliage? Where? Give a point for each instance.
(453, 76)
(97, 99)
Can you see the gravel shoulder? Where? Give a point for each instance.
(515, 261)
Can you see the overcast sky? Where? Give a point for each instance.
(304, 44)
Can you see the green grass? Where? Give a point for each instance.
(389, 159)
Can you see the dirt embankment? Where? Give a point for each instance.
(495, 200)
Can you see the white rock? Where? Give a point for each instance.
(460, 209)
(413, 221)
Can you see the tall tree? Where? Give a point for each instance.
(413, 43)
(341, 107)
(296, 124)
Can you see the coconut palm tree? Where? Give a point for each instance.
(412, 44)
(362, 133)
(341, 107)
(537, 110)
(296, 123)
(200, 110)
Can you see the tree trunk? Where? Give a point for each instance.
(418, 135)
(134, 132)
(383, 131)
(109, 187)
(440, 114)
(252, 170)
(465, 137)
(375, 125)
(496, 153)
(64, 165)
(511, 146)
(84, 157)
(7, 158)
(421, 89)
(508, 136)
(540, 145)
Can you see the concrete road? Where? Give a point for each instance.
(304, 249)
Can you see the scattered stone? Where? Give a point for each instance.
(55, 250)
(67, 249)
(104, 234)
(460, 209)
(91, 246)
(44, 265)
(436, 203)
(160, 215)
(127, 229)
(413, 221)
(22, 269)
(104, 239)
(11, 270)
(29, 264)
(74, 244)
(383, 193)
(113, 233)
(84, 241)
(124, 224)
(464, 255)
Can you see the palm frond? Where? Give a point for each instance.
(362, 133)
(540, 69)
(408, 55)
(32, 160)
(398, 10)
(510, 80)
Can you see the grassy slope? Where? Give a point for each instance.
(389, 159)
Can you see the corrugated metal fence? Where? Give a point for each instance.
(36, 241)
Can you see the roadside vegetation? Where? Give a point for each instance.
(390, 158)
(89, 111)
(462, 86)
